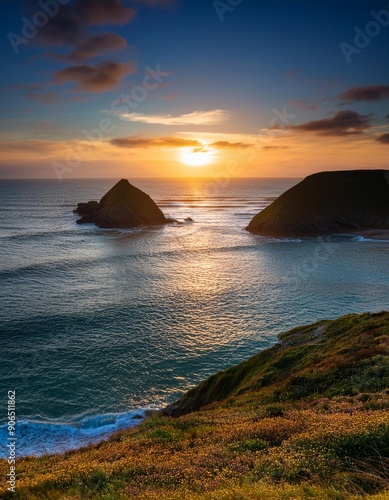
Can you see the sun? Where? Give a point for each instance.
(196, 157)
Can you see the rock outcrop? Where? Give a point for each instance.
(328, 203)
(86, 208)
(124, 206)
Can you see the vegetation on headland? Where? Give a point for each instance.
(307, 418)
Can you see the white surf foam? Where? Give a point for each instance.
(41, 438)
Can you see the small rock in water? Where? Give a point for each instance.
(86, 208)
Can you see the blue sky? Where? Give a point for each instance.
(231, 72)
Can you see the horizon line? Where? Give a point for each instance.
(214, 178)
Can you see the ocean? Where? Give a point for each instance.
(99, 325)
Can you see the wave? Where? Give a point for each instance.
(71, 265)
(379, 238)
(25, 236)
(42, 438)
(372, 240)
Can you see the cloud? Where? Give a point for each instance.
(104, 76)
(141, 142)
(273, 148)
(45, 98)
(64, 28)
(371, 93)
(102, 12)
(40, 146)
(136, 142)
(345, 122)
(195, 118)
(387, 117)
(68, 25)
(94, 46)
(300, 103)
(383, 139)
(232, 145)
(156, 3)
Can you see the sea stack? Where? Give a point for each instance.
(124, 206)
(353, 201)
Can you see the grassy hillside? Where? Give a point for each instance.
(308, 418)
(342, 357)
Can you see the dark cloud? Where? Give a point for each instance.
(136, 142)
(65, 28)
(367, 93)
(101, 77)
(383, 139)
(345, 122)
(69, 24)
(387, 117)
(156, 3)
(103, 12)
(45, 98)
(94, 46)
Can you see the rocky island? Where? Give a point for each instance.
(124, 206)
(328, 203)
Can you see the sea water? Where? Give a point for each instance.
(99, 325)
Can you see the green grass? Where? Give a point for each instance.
(328, 358)
(307, 418)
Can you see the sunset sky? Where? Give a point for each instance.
(160, 88)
